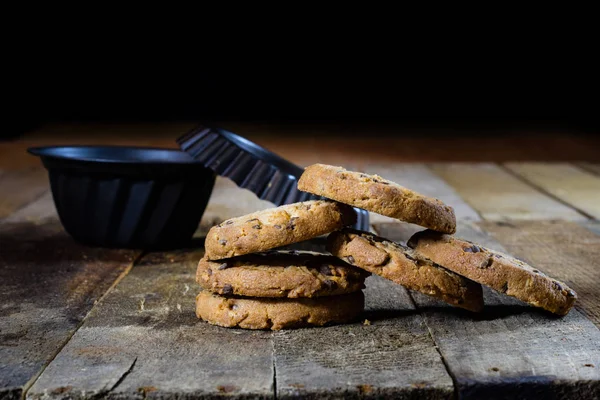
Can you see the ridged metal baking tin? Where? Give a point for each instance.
(127, 197)
(250, 166)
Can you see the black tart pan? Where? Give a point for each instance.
(251, 167)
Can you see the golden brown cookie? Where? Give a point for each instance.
(276, 314)
(497, 270)
(276, 227)
(280, 273)
(406, 267)
(376, 194)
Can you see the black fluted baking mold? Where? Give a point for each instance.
(250, 166)
(127, 197)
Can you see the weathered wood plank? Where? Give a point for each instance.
(591, 167)
(393, 357)
(574, 186)
(421, 179)
(498, 195)
(48, 284)
(38, 211)
(511, 350)
(21, 187)
(143, 339)
(592, 225)
(564, 250)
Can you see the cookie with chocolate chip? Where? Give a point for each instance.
(275, 227)
(406, 267)
(497, 270)
(379, 195)
(277, 314)
(280, 273)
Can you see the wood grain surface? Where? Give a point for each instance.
(511, 350)
(570, 184)
(48, 284)
(144, 339)
(20, 187)
(388, 354)
(562, 249)
(591, 167)
(79, 322)
(593, 226)
(38, 211)
(497, 195)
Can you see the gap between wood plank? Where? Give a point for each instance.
(123, 274)
(498, 195)
(474, 379)
(274, 368)
(544, 191)
(437, 348)
(24, 205)
(401, 372)
(589, 167)
(23, 187)
(566, 251)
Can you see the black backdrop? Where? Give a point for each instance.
(39, 94)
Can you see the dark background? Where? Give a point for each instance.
(525, 68)
(475, 96)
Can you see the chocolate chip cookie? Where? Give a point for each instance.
(376, 194)
(406, 267)
(277, 314)
(276, 227)
(280, 273)
(497, 270)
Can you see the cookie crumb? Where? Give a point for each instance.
(364, 389)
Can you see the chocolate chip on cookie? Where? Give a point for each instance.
(499, 271)
(281, 274)
(376, 194)
(276, 227)
(406, 267)
(276, 314)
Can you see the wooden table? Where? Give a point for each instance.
(82, 322)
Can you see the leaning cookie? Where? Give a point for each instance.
(497, 270)
(404, 266)
(277, 314)
(280, 273)
(373, 193)
(276, 227)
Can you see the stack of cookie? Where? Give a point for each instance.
(248, 284)
(454, 267)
